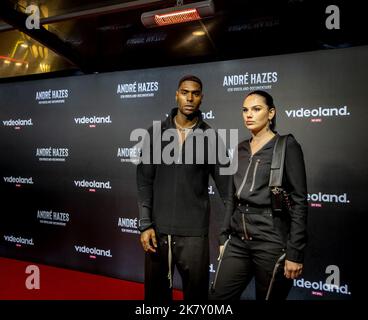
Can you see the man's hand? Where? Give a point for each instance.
(292, 270)
(148, 240)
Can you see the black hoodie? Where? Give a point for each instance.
(173, 198)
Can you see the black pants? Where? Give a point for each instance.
(243, 259)
(191, 257)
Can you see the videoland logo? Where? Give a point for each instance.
(128, 225)
(208, 115)
(19, 240)
(93, 252)
(93, 121)
(92, 185)
(18, 181)
(316, 199)
(318, 113)
(321, 286)
(18, 124)
(331, 284)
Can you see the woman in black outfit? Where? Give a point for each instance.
(254, 240)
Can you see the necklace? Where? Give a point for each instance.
(183, 129)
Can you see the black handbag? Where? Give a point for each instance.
(280, 199)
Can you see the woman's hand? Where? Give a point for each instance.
(292, 270)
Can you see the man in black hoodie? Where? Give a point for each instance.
(173, 199)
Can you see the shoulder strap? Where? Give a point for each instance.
(278, 159)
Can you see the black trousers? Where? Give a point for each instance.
(191, 257)
(243, 259)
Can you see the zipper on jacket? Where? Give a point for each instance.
(244, 227)
(245, 178)
(254, 174)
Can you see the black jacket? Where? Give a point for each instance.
(250, 186)
(173, 198)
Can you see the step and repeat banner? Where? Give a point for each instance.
(67, 165)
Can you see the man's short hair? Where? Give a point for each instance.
(190, 77)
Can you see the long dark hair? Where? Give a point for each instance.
(269, 102)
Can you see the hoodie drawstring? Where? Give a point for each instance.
(169, 275)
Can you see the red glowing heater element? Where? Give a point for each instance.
(179, 14)
(10, 59)
(177, 17)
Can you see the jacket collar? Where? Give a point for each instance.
(270, 144)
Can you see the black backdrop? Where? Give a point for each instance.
(68, 193)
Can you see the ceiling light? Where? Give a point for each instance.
(198, 33)
(179, 14)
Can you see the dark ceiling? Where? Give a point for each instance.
(78, 37)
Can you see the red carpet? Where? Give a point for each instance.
(63, 284)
